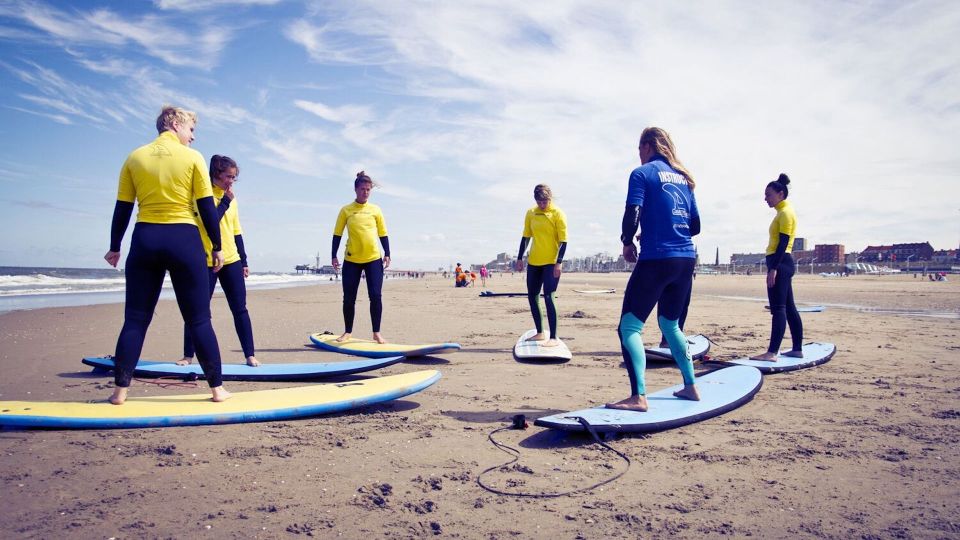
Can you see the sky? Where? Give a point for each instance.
(458, 109)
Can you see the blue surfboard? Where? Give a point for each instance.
(720, 391)
(243, 372)
(198, 409)
(814, 354)
(698, 346)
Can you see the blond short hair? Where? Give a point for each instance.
(170, 114)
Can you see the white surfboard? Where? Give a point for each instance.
(720, 391)
(698, 346)
(533, 350)
(595, 291)
(814, 354)
(804, 309)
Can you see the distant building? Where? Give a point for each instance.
(921, 251)
(802, 257)
(747, 259)
(829, 253)
(799, 244)
(945, 256)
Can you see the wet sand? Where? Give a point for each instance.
(866, 445)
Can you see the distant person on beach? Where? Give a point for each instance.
(224, 172)
(483, 275)
(660, 202)
(546, 225)
(473, 279)
(780, 270)
(165, 178)
(364, 223)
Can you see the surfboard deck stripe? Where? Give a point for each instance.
(814, 354)
(699, 346)
(197, 409)
(372, 349)
(532, 350)
(721, 391)
(243, 372)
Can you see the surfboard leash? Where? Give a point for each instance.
(519, 422)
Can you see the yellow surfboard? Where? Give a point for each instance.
(372, 349)
(198, 409)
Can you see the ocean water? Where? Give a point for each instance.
(34, 287)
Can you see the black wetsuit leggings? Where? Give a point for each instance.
(373, 271)
(537, 277)
(155, 249)
(782, 307)
(235, 289)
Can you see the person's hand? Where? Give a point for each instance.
(518, 266)
(557, 268)
(217, 257)
(228, 193)
(630, 253)
(336, 264)
(771, 278)
(246, 272)
(386, 263)
(112, 258)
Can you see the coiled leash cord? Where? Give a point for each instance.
(519, 422)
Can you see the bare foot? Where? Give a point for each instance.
(378, 338)
(185, 361)
(766, 357)
(551, 343)
(252, 361)
(688, 392)
(119, 395)
(537, 337)
(794, 354)
(632, 403)
(220, 394)
(344, 337)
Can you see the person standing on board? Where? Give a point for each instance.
(547, 226)
(166, 178)
(661, 203)
(224, 172)
(780, 270)
(364, 223)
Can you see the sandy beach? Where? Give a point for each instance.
(866, 445)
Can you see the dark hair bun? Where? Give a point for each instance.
(783, 179)
(361, 174)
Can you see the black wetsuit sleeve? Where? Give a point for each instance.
(695, 226)
(523, 247)
(563, 249)
(243, 252)
(777, 256)
(336, 246)
(630, 223)
(211, 222)
(385, 241)
(121, 218)
(223, 206)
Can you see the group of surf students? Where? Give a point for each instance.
(188, 224)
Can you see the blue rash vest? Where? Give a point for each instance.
(668, 208)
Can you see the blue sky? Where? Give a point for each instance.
(457, 109)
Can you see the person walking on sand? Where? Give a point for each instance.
(780, 270)
(365, 224)
(660, 201)
(224, 173)
(483, 276)
(165, 178)
(547, 226)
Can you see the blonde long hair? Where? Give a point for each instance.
(663, 145)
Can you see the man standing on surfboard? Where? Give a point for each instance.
(660, 202)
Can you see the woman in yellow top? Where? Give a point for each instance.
(364, 223)
(165, 178)
(224, 172)
(780, 270)
(547, 226)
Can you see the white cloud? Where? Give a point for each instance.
(204, 5)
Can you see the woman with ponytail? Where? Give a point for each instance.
(661, 204)
(780, 270)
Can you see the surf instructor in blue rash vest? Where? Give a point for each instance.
(165, 178)
(224, 172)
(364, 223)
(547, 226)
(661, 203)
(780, 270)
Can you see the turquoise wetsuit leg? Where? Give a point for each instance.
(636, 357)
(678, 347)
